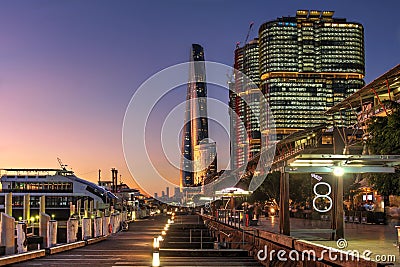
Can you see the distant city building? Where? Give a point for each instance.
(309, 63)
(195, 131)
(167, 192)
(245, 128)
(205, 155)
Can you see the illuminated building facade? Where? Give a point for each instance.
(309, 63)
(244, 103)
(205, 155)
(195, 130)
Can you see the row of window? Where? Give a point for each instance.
(40, 187)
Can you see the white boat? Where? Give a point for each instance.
(59, 186)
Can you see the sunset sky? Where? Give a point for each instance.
(68, 69)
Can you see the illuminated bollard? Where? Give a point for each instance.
(22, 245)
(156, 252)
(156, 243)
(72, 230)
(156, 259)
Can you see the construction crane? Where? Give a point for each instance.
(248, 32)
(247, 36)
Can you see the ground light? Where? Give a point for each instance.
(156, 259)
(156, 243)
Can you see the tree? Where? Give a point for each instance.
(269, 189)
(384, 139)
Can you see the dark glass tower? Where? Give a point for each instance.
(195, 131)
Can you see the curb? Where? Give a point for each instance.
(22, 257)
(95, 240)
(65, 247)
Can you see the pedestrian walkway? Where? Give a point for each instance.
(379, 239)
(135, 246)
(130, 248)
(189, 243)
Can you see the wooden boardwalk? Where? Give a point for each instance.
(134, 248)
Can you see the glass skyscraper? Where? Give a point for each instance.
(245, 128)
(196, 149)
(308, 63)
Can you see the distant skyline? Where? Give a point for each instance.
(69, 68)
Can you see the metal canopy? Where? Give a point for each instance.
(367, 93)
(326, 163)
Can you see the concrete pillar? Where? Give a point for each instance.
(42, 204)
(340, 145)
(114, 222)
(86, 228)
(78, 207)
(284, 222)
(91, 208)
(22, 244)
(86, 208)
(71, 209)
(27, 207)
(99, 213)
(8, 204)
(98, 227)
(106, 223)
(7, 233)
(135, 215)
(52, 233)
(118, 223)
(44, 220)
(72, 230)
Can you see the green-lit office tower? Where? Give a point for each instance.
(308, 63)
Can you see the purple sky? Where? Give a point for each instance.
(69, 68)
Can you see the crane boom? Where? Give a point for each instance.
(248, 32)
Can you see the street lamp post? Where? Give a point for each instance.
(284, 221)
